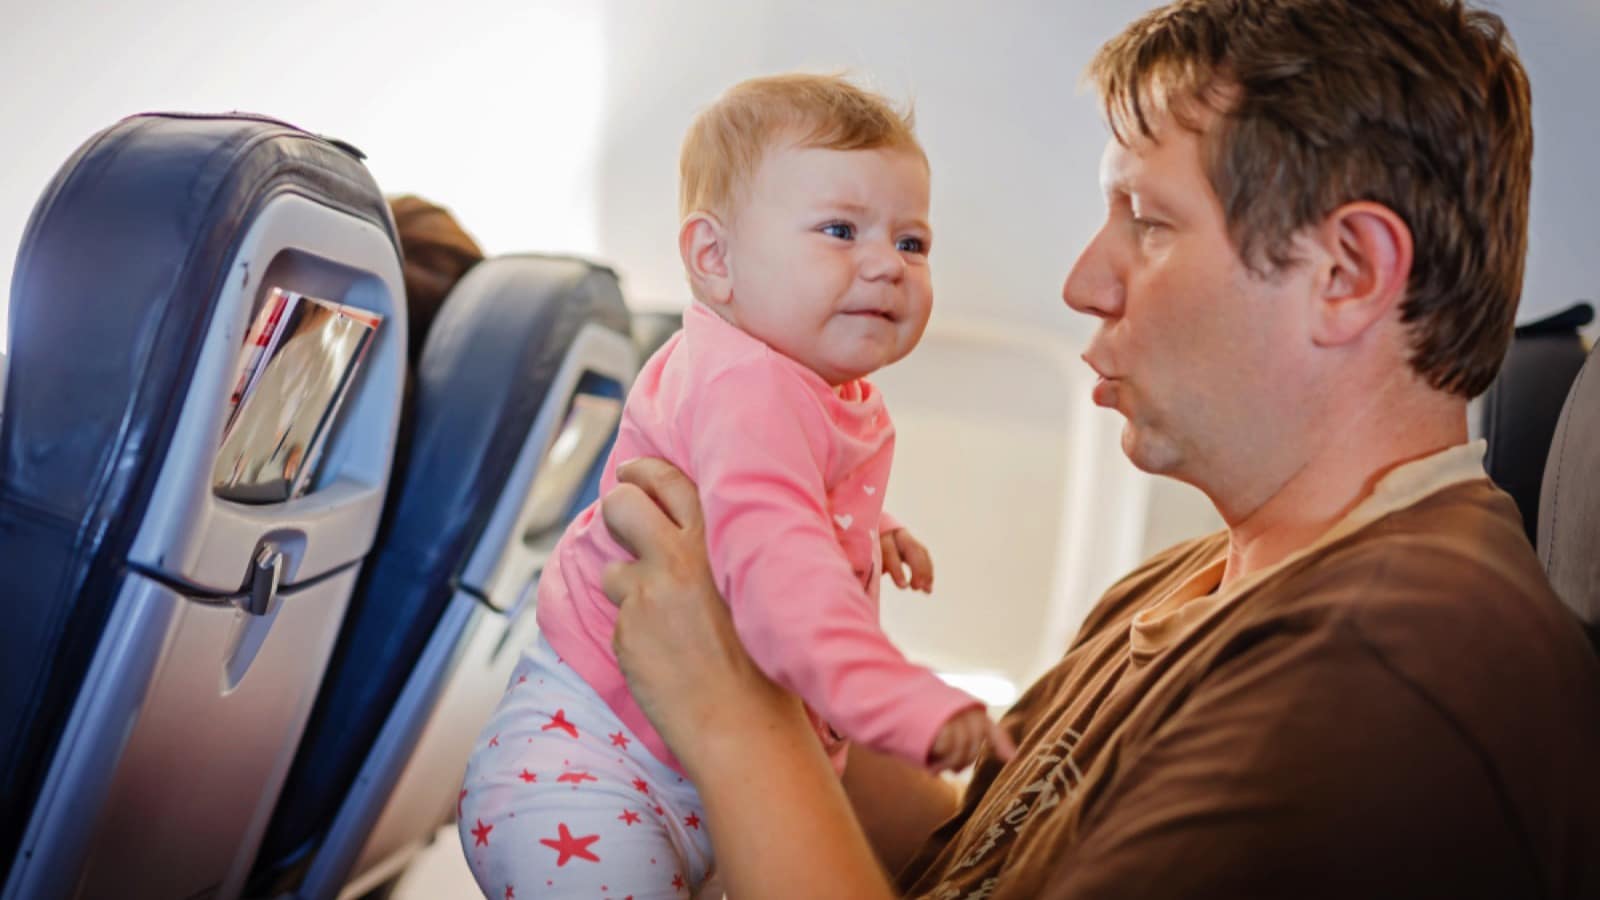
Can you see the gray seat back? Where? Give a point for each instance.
(1569, 510)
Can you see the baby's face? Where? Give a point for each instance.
(828, 257)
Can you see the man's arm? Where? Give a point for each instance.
(898, 805)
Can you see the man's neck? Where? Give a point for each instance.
(1331, 480)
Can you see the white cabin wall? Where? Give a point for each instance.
(554, 125)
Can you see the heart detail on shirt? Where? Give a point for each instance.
(869, 489)
(845, 521)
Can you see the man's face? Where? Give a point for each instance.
(1207, 361)
(829, 257)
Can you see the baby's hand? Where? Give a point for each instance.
(900, 549)
(958, 742)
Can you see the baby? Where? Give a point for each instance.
(805, 239)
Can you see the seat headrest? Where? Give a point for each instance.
(1521, 407)
(651, 330)
(488, 362)
(1569, 506)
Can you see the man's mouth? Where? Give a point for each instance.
(1104, 392)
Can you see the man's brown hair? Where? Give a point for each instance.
(1420, 105)
(726, 142)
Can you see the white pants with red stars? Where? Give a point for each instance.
(561, 800)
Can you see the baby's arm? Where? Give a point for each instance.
(959, 741)
(759, 447)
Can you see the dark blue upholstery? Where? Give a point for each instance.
(488, 364)
(651, 330)
(115, 284)
(1521, 407)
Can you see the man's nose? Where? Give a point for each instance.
(1094, 286)
(882, 262)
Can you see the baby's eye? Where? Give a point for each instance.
(912, 245)
(844, 231)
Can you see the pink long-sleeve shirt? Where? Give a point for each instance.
(791, 475)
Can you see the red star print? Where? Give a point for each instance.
(494, 741)
(459, 801)
(480, 835)
(522, 679)
(693, 821)
(576, 777)
(640, 786)
(559, 720)
(619, 740)
(528, 777)
(629, 816)
(659, 810)
(511, 894)
(569, 846)
(677, 882)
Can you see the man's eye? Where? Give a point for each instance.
(844, 231)
(911, 245)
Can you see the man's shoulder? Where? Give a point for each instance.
(1460, 550)
(1446, 600)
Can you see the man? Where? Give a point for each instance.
(1316, 224)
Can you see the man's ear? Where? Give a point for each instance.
(1367, 249)
(703, 244)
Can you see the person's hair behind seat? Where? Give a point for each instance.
(1420, 105)
(437, 251)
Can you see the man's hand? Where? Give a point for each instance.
(959, 741)
(901, 550)
(674, 638)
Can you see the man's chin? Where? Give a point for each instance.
(1148, 452)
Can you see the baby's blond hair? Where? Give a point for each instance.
(726, 141)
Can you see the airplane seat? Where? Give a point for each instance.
(164, 642)
(1521, 406)
(1569, 505)
(652, 329)
(518, 393)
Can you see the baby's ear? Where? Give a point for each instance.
(703, 244)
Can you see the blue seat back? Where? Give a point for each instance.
(491, 361)
(142, 264)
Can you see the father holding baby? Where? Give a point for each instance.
(1316, 222)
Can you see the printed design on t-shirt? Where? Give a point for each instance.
(1057, 779)
(984, 890)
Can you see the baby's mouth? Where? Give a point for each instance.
(883, 314)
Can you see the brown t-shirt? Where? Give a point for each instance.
(1404, 710)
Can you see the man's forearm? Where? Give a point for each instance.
(897, 804)
(779, 821)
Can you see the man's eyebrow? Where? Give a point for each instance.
(1119, 183)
